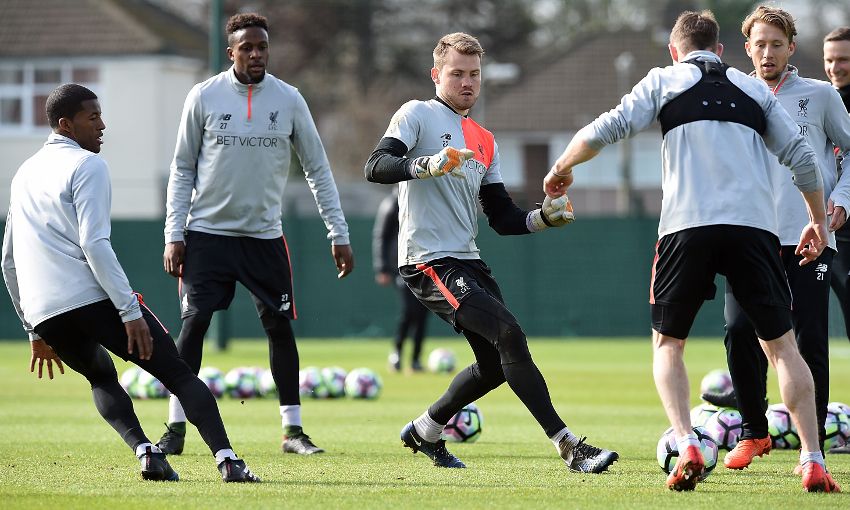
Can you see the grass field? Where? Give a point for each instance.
(56, 452)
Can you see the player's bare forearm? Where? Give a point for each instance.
(815, 235)
(814, 204)
(560, 176)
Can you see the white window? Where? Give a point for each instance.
(24, 88)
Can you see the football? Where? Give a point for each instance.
(716, 381)
(783, 433)
(214, 380)
(837, 426)
(334, 379)
(267, 386)
(441, 361)
(311, 384)
(129, 378)
(465, 426)
(725, 426)
(701, 413)
(844, 408)
(363, 383)
(241, 382)
(667, 451)
(148, 386)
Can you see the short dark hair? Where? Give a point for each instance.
(245, 20)
(66, 101)
(839, 34)
(695, 31)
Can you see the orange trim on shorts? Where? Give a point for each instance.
(142, 303)
(291, 283)
(440, 285)
(652, 278)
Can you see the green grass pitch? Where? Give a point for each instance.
(56, 452)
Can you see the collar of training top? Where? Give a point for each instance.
(57, 138)
(242, 88)
(447, 105)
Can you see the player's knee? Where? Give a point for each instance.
(195, 325)
(275, 323)
(102, 376)
(512, 343)
(490, 374)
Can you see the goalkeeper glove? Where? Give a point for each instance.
(554, 212)
(447, 161)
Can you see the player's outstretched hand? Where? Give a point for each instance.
(42, 352)
(558, 211)
(343, 258)
(813, 239)
(556, 182)
(172, 258)
(447, 161)
(139, 338)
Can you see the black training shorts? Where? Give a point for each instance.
(687, 261)
(214, 263)
(442, 285)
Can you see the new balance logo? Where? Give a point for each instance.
(285, 303)
(820, 270)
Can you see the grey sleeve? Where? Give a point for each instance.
(10, 276)
(782, 137)
(837, 129)
(636, 111)
(92, 198)
(184, 167)
(317, 171)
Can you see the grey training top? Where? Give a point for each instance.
(56, 251)
(817, 109)
(232, 160)
(713, 172)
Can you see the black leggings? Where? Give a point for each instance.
(81, 337)
(840, 281)
(501, 354)
(747, 362)
(283, 352)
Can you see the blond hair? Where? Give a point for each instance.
(463, 43)
(772, 16)
(695, 31)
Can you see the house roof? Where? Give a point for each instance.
(569, 90)
(37, 28)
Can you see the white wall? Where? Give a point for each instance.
(141, 97)
(601, 172)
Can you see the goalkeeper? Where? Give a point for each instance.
(443, 160)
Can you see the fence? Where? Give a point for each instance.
(588, 279)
